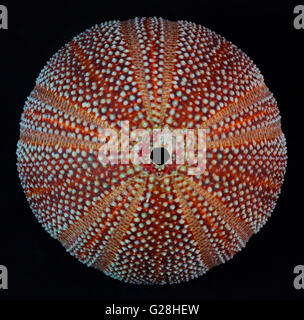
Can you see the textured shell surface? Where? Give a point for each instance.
(133, 222)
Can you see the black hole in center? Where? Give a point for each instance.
(160, 156)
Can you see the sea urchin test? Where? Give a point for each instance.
(151, 223)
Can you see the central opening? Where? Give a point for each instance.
(160, 156)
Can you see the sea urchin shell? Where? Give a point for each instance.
(127, 220)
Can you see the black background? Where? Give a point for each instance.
(39, 267)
